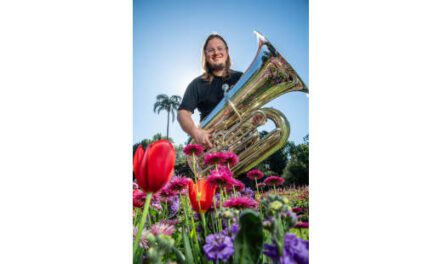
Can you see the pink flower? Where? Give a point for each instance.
(195, 149)
(241, 203)
(235, 184)
(143, 240)
(230, 159)
(138, 198)
(166, 195)
(162, 228)
(214, 158)
(222, 176)
(177, 184)
(273, 181)
(302, 225)
(155, 202)
(261, 185)
(255, 174)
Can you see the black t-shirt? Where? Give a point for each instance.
(205, 96)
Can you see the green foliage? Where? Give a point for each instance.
(249, 241)
(187, 248)
(297, 169)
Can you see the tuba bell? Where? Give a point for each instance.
(237, 116)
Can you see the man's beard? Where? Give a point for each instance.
(217, 67)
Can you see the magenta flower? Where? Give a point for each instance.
(195, 149)
(273, 181)
(222, 176)
(229, 158)
(162, 228)
(214, 158)
(177, 184)
(261, 185)
(297, 209)
(166, 195)
(138, 198)
(255, 174)
(241, 203)
(302, 225)
(235, 184)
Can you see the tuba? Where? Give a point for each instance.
(237, 116)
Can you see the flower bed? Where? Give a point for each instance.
(214, 218)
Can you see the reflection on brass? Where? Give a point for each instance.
(236, 118)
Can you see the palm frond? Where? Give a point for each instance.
(162, 97)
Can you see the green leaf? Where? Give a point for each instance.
(249, 241)
(180, 256)
(188, 251)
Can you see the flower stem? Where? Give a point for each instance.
(205, 231)
(194, 166)
(142, 223)
(184, 212)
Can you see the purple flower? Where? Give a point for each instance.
(174, 206)
(234, 229)
(241, 203)
(273, 181)
(195, 149)
(247, 192)
(229, 158)
(296, 251)
(218, 247)
(255, 174)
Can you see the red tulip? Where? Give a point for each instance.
(205, 191)
(137, 159)
(154, 167)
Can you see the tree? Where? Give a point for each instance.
(297, 169)
(276, 162)
(169, 104)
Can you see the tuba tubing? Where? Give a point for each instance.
(237, 116)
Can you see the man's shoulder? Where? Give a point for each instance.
(196, 81)
(236, 73)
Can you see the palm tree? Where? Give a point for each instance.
(169, 104)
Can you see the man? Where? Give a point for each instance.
(205, 91)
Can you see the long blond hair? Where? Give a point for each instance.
(207, 71)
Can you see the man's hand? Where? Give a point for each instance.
(203, 137)
(200, 135)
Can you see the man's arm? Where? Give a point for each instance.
(200, 135)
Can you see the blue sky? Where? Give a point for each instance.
(167, 41)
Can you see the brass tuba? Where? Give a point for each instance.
(237, 116)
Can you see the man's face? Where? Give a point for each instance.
(216, 54)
